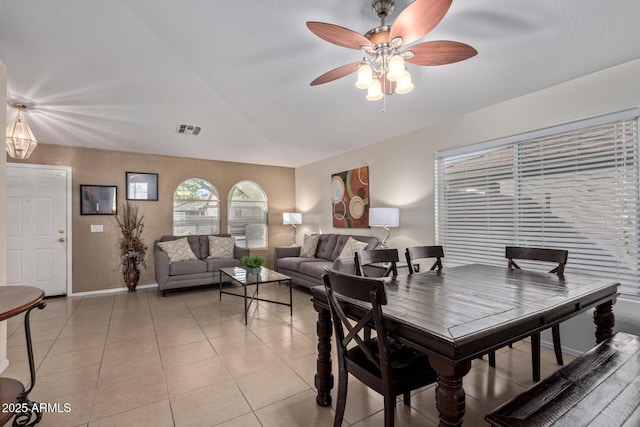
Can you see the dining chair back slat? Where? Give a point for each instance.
(386, 259)
(423, 252)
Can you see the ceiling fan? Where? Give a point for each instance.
(383, 71)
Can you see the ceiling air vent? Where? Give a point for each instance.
(188, 129)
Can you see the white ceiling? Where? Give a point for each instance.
(121, 74)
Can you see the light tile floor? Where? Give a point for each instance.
(188, 360)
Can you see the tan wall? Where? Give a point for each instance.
(95, 255)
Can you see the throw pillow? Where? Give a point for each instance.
(177, 250)
(351, 247)
(309, 245)
(221, 247)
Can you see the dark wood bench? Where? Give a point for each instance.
(599, 388)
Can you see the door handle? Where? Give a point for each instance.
(61, 239)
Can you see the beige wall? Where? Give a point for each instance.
(95, 255)
(3, 217)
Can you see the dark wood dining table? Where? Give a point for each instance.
(461, 313)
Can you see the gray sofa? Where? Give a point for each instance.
(308, 271)
(203, 271)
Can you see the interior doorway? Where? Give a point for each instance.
(39, 227)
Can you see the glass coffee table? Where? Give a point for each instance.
(242, 277)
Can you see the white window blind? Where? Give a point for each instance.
(196, 208)
(567, 189)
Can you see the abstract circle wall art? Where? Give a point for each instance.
(350, 198)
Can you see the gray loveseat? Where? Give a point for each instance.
(201, 271)
(308, 271)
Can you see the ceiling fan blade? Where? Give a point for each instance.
(339, 35)
(418, 19)
(440, 52)
(336, 73)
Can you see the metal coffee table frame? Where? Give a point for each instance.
(245, 279)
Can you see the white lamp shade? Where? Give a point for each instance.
(384, 217)
(291, 218)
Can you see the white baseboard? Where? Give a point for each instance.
(111, 291)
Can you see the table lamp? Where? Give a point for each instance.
(292, 219)
(385, 218)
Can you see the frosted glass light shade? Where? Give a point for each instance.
(404, 84)
(365, 76)
(375, 91)
(396, 68)
(291, 218)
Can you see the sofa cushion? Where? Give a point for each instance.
(177, 250)
(351, 247)
(221, 247)
(187, 267)
(294, 263)
(315, 269)
(215, 264)
(309, 245)
(326, 245)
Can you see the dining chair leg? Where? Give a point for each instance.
(492, 359)
(407, 398)
(557, 347)
(341, 398)
(535, 356)
(389, 410)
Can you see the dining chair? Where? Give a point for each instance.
(558, 257)
(422, 252)
(385, 260)
(381, 363)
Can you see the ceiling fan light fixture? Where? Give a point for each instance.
(365, 76)
(375, 91)
(404, 84)
(395, 67)
(20, 140)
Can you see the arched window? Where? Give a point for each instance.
(248, 209)
(196, 208)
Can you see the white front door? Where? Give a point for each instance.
(37, 227)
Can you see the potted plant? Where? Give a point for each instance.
(252, 263)
(132, 249)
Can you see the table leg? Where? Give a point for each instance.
(324, 376)
(220, 284)
(450, 396)
(604, 320)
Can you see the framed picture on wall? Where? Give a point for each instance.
(98, 199)
(142, 186)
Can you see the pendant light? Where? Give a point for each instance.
(20, 139)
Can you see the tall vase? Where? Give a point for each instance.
(131, 273)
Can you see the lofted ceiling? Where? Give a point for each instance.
(123, 74)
